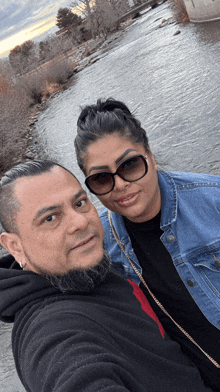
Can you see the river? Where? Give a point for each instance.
(172, 84)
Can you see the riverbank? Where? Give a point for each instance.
(22, 144)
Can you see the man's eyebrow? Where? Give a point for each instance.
(117, 161)
(45, 210)
(81, 192)
(54, 207)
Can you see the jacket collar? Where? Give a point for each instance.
(168, 199)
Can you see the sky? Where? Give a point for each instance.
(21, 20)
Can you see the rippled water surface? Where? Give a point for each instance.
(173, 85)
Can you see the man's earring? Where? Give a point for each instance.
(21, 265)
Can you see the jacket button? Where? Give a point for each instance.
(190, 283)
(170, 238)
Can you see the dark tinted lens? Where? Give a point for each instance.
(133, 168)
(100, 183)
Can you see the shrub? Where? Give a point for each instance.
(59, 71)
(14, 105)
(34, 84)
(179, 10)
(16, 97)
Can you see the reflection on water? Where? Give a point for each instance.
(208, 33)
(172, 84)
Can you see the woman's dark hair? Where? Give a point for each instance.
(106, 118)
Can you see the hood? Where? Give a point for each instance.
(18, 288)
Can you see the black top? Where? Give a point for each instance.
(108, 340)
(163, 279)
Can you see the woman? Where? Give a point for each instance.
(163, 230)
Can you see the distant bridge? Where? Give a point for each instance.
(138, 8)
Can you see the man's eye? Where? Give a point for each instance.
(81, 203)
(50, 218)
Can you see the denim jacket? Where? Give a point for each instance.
(190, 219)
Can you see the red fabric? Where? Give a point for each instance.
(145, 305)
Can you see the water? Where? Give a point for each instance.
(9, 381)
(171, 83)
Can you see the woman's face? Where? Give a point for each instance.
(139, 201)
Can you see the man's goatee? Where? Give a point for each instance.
(84, 280)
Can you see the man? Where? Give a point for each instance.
(78, 326)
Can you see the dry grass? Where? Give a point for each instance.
(13, 111)
(44, 81)
(18, 99)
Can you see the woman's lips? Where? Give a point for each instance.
(128, 200)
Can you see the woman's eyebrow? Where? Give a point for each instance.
(97, 168)
(124, 154)
(117, 161)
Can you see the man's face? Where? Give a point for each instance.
(59, 228)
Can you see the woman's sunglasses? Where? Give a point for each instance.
(132, 169)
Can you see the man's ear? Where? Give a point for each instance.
(11, 242)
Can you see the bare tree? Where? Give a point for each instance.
(44, 50)
(55, 46)
(23, 58)
(103, 16)
(120, 7)
(6, 69)
(85, 10)
(106, 15)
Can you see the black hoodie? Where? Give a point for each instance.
(105, 341)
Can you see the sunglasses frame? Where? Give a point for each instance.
(116, 173)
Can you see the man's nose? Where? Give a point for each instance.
(76, 221)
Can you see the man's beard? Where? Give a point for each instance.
(84, 280)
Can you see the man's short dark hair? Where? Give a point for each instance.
(9, 205)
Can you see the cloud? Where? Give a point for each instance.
(26, 34)
(19, 16)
